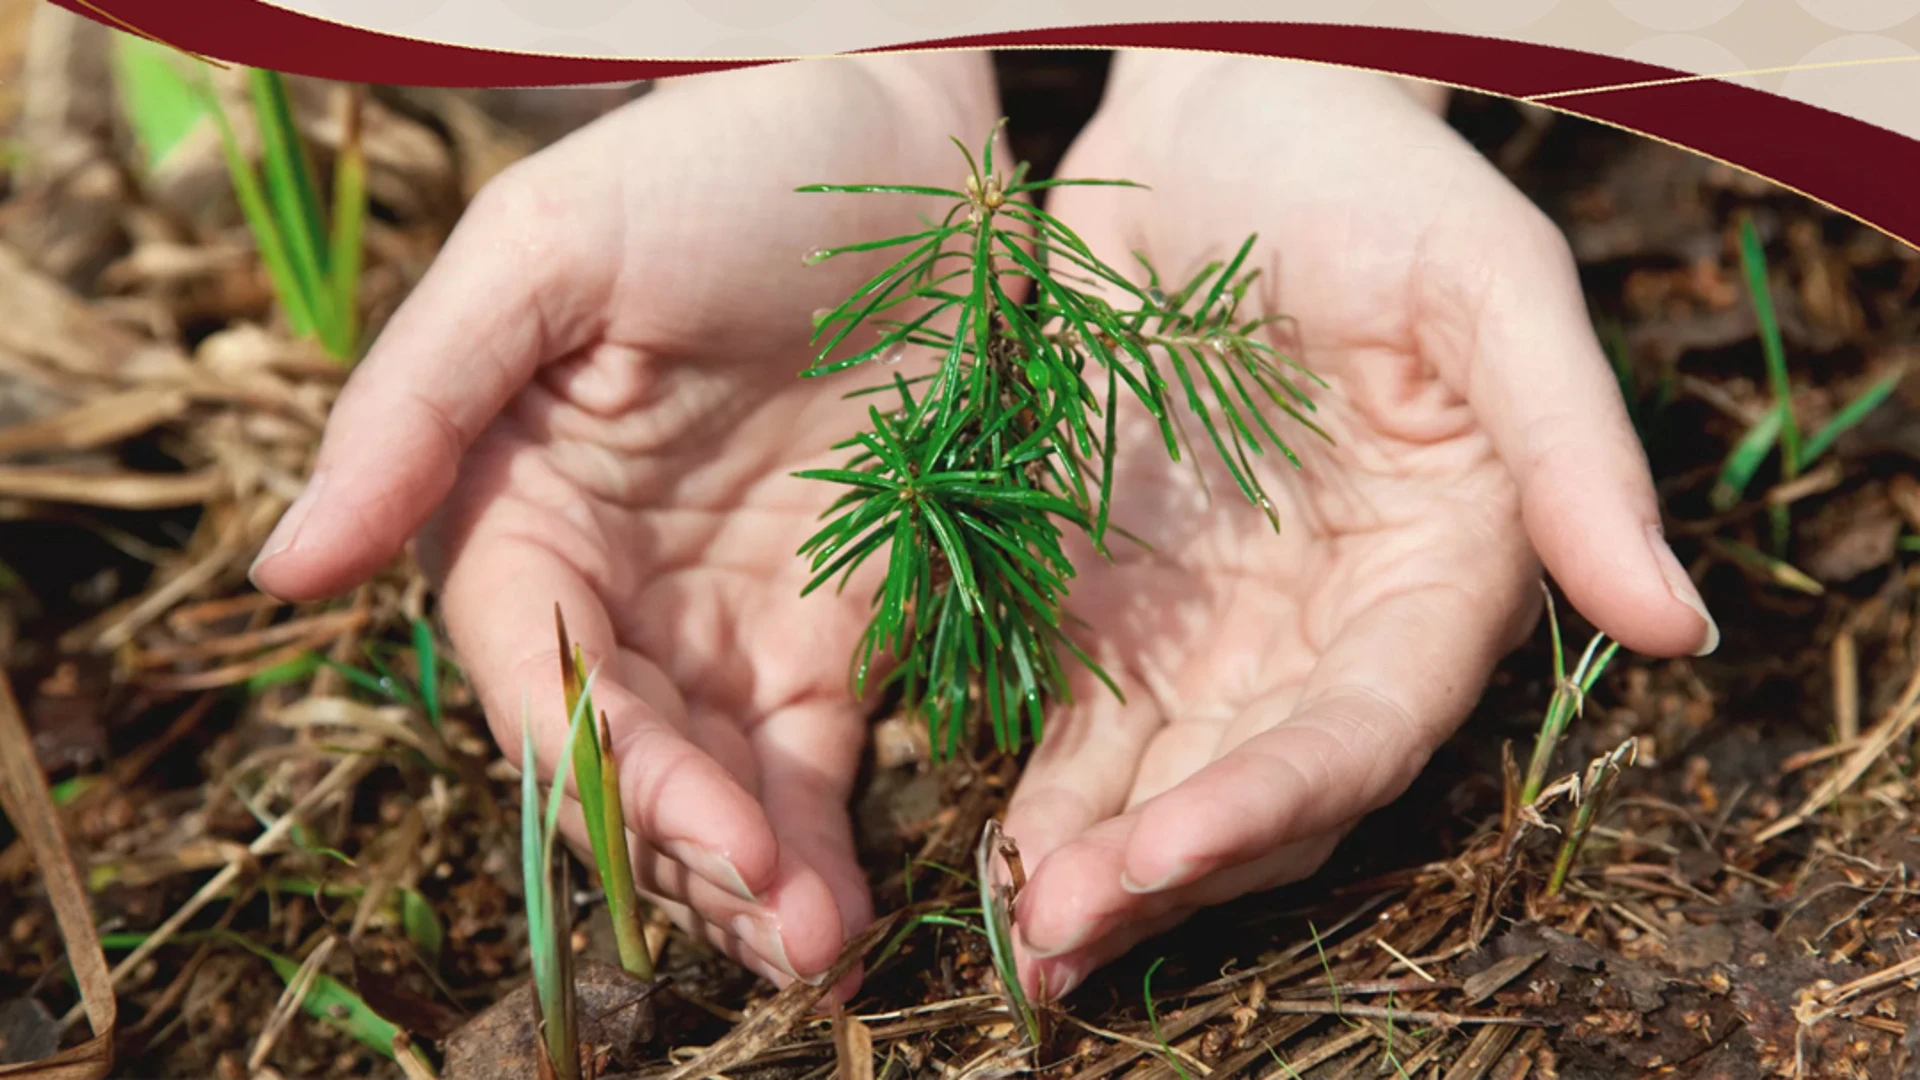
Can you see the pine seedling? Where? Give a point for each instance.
(969, 479)
(605, 814)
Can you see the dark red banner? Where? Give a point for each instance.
(1856, 167)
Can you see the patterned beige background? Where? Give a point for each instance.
(1826, 40)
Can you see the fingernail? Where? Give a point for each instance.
(1166, 881)
(716, 868)
(1682, 588)
(1069, 980)
(288, 530)
(763, 936)
(1046, 952)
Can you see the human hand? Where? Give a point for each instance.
(1279, 687)
(594, 393)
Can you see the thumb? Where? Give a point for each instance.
(1540, 385)
(523, 279)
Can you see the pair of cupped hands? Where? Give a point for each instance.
(592, 398)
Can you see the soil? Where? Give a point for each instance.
(1741, 906)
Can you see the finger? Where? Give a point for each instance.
(716, 936)
(744, 954)
(681, 801)
(1076, 913)
(809, 754)
(755, 934)
(522, 280)
(696, 921)
(1079, 775)
(1537, 380)
(1392, 684)
(1055, 977)
(1137, 918)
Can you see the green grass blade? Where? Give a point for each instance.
(345, 247)
(533, 870)
(558, 793)
(422, 926)
(284, 673)
(1754, 259)
(329, 1000)
(1153, 1021)
(286, 153)
(376, 685)
(1745, 460)
(159, 100)
(428, 660)
(616, 873)
(585, 755)
(265, 227)
(291, 198)
(1849, 416)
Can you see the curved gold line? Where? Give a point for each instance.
(1724, 75)
(1883, 230)
(155, 38)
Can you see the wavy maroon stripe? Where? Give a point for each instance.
(1813, 150)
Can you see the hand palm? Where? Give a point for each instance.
(596, 392)
(665, 523)
(1281, 686)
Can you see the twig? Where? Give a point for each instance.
(1143, 1045)
(312, 633)
(1846, 687)
(341, 777)
(29, 805)
(289, 1004)
(1905, 969)
(1382, 1012)
(1900, 720)
(1404, 962)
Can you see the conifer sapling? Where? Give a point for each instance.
(967, 475)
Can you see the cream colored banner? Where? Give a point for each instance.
(1858, 57)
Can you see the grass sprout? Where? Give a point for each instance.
(1589, 796)
(598, 782)
(1766, 568)
(549, 925)
(311, 252)
(1153, 1021)
(1779, 428)
(970, 474)
(996, 911)
(1569, 698)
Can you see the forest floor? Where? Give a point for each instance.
(1741, 906)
